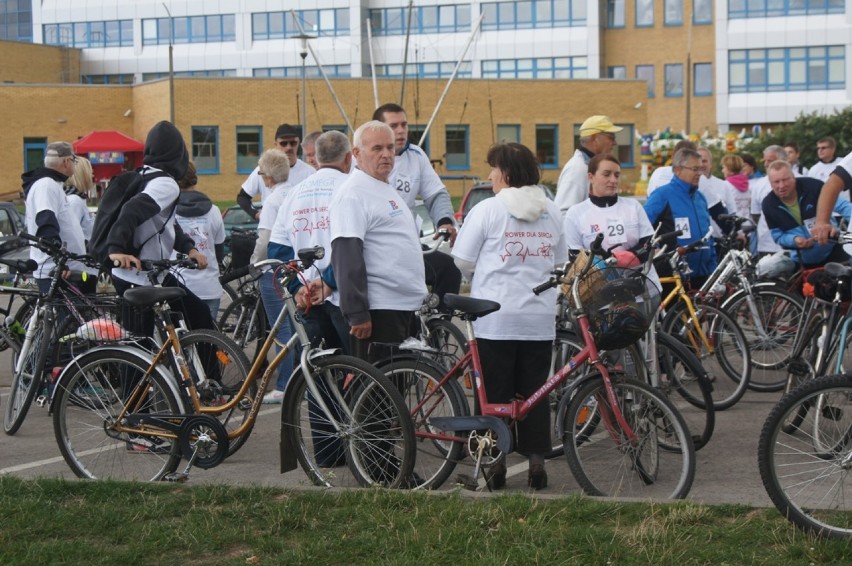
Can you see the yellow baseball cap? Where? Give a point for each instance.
(597, 124)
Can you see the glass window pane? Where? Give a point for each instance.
(798, 72)
(837, 72)
(544, 12)
(737, 74)
(776, 72)
(456, 140)
(644, 12)
(702, 10)
(508, 133)
(674, 11)
(646, 73)
(546, 145)
(524, 14)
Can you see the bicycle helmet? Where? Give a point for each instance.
(775, 266)
(623, 324)
(100, 330)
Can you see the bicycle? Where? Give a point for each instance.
(710, 333)
(337, 410)
(621, 437)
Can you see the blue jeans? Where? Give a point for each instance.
(273, 304)
(213, 305)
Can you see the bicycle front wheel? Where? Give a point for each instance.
(244, 322)
(719, 344)
(769, 318)
(28, 380)
(654, 459)
(357, 419)
(806, 470)
(87, 402)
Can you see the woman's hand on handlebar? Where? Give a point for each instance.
(126, 261)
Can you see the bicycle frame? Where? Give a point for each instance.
(679, 293)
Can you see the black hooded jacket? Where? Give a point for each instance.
(46, 221)
(164, 150)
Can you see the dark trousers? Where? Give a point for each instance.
(389, 329)
(325, 322)
(515, 369)
(442, 275)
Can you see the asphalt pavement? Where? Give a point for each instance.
(726, 469)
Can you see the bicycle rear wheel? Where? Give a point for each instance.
(720, 346)
(244, 322)
(806, 471)
(769, 319)
(365, 425)
(448, 339)
(437, 452)
(87, 402)
(224, 368)
(28, 381)
(607, 462)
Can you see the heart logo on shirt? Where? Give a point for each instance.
(301, 225)
(513, 249)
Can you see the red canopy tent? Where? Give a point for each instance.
(110, 152)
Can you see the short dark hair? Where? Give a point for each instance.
(748, 159)
(684, 144)
(832, 143)
(792, 144)
(517, 163)
(379, 113)
(596, 161)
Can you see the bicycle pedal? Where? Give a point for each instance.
(41, 400)
(176, 477)
(467, 482)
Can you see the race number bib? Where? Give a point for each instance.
(809, 224)
(682, 224)
(615, 232)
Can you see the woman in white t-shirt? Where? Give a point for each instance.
(508, 245)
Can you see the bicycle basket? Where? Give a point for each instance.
(620, 304)
(242, 246)
(576, 268)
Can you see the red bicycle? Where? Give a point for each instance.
(621, 436)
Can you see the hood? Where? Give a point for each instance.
(739, 181)
(74, 192)
(30, 177)
(165, 150)
(524, 203)
(193, 203)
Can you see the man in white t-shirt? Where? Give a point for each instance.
(414, 177)
(48, 214)
(838, 182)
(759, 190)
(597, 135)
(376, 254)
(309, 149)
(792, 149)
(826, 148)
(287, 139)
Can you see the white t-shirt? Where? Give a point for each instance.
(661, 176)
(303, 219)
(741, 199)
(81, 211)
(47, 194)
(821, 170)
(846, 163)
(623, 224)
(413, 176)
(715, 191)
(206, 231)
(572, 187)
(372, 211)
(254, 185)
(164, 191)
(512, 256)
(759, 189)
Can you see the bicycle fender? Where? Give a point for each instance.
(144, 357)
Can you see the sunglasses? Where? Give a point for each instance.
(286, 143)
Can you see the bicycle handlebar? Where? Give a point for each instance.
(595, 250)
(57, 251)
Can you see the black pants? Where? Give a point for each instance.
(389, 328)
(515, 369)
(441, 273)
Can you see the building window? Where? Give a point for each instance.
(508, 133)
(702, 11)
(458, 147)
(615, 17)
(533, 14)
(673, 12)
(34, 150)
(191, 29)
(205, 149)
(738, 9)
(703, 79)
(437, 70)
(415, 132)
(16, 21)
(331, 71)
(542, 68)
(278, 25)
(113, 33)
(644, 13)
(547, 145)
(126, 79)
(617, 72)
(424, 19)
(646, 73)
(249, 147)
(674, 79)
(786, 69)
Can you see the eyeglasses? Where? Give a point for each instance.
(73, 158)
(697, 169)
(608, 135)
(286, 143)
(822, 147)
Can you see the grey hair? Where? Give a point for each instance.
(683, 156)
(275, 164)
(778, 165)
(779, 152)
(311, 138)
(372, 126)
(332, 147)
(56, 153)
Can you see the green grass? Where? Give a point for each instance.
(59, 522)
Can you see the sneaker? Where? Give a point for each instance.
(148, 445)
(274, 397)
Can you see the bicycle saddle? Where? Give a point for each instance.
(147, 296)
(470, 306)
(838, 270)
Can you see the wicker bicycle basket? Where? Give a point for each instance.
(620, 304)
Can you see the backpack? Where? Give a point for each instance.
(120, 190)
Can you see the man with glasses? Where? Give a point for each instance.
(48, 214)
(679, 205)
(287, 139)
(597, 136)
(826, 148)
